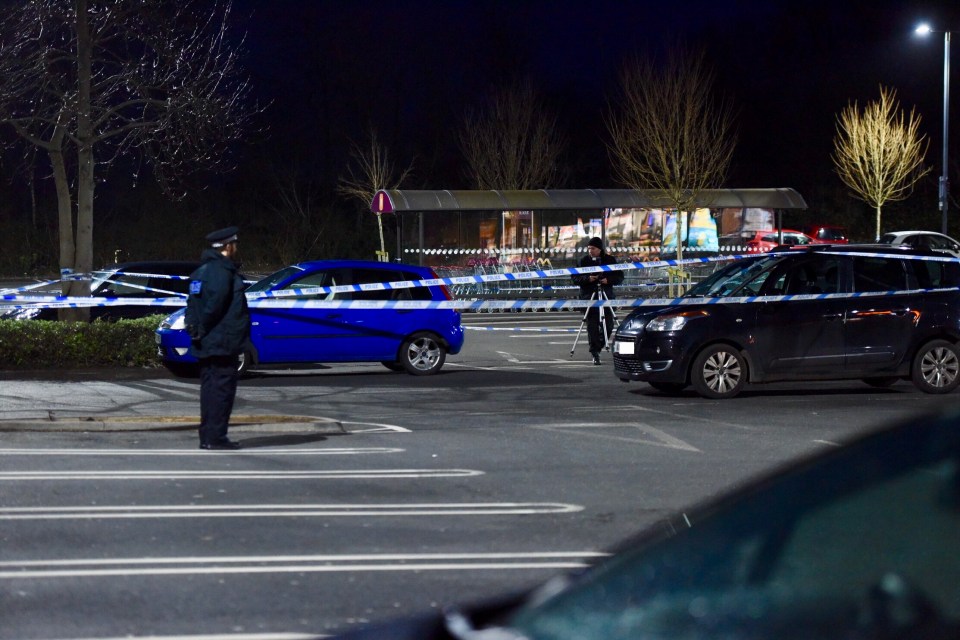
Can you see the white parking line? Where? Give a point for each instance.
(197, 452)
(7, 476)
(285, 510)
(96, 568)
(635, 432)
(376, 427)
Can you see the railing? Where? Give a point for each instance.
(650, 282)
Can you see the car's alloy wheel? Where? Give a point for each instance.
(422, 354)
(719, 372)
(936, 367)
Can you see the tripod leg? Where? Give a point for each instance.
(583, 321)
(603, 323)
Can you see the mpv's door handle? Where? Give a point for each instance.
(832, 316)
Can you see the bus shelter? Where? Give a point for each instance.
(559, 222)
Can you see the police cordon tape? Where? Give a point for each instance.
(12, 294)
(474, 305)
(80, 277)
(274, 299)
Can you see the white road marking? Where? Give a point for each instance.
(475, 367)
(284, 510)
(672, 414)
(377, 427)
(509, 357)
(7, 476)
(197, 452)
(636, 432)
(95, 568)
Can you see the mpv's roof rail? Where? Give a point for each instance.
(857, 248)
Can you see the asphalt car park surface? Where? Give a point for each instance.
(515, 462)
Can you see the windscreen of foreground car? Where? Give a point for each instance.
(865, 546)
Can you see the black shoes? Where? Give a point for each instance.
(222, 445)
(596, 358)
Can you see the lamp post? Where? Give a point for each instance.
(923, 30)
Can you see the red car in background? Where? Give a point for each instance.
(761, 241)
(827, 233)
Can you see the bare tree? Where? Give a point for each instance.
(307, 227)
(667, 132)
(514, 143)
(877, 152)
(92, 81)
(369, 171)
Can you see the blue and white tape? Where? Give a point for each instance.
(59, 302)
(280, 299)
(494, 277)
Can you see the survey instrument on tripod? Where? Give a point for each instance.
(602, 310)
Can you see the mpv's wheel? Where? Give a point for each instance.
(669, 388)
(393, 366)
(719, 372)
(422, 354)
(882, 383)
(936, 367)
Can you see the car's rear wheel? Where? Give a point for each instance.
(244, 362)
(422, 354)
(393, 366)
(882, 382)
(670, 388)
(936, 367)
(719, 372)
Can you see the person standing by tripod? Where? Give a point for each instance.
(597, 286)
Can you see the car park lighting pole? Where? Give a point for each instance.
(924, 30)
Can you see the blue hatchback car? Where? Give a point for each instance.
(416, 340)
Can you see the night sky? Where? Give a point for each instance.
(329, 69)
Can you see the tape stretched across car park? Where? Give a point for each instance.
(12, 294)
(479, 305)
(6, 293)
(276, 299)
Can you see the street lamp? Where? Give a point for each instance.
(924, 30)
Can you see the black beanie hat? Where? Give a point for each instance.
(596, 242)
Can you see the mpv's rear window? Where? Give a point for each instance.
(878, 274)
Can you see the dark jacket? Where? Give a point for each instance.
(587, 288)
(217, 316)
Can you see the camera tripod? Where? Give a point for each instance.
(602, 310)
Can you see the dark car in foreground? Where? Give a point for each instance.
(415, 339)
(153, 279)
(861, 542)
(875, 313)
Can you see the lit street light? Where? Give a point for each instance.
(924, 30)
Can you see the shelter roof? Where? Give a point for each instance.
(404, 200)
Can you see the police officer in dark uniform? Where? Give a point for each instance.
(591, 285)
(219, 324)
